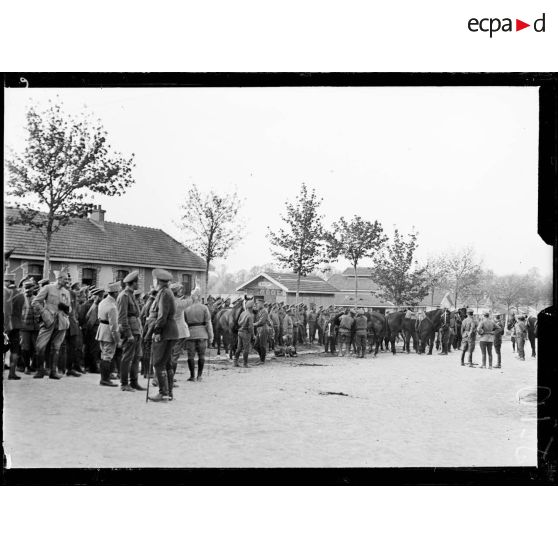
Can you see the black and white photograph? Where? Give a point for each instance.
(272, 277)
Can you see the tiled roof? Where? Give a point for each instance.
(85, 241)
(361, 272)
(309, 284)
(363, 299)
(344, 283)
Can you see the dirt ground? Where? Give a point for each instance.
(312, 411)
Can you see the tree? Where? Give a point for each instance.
(299, 246)
(483, 289)
(398, 276)
(211, 224)
(355, 240)
(463, 271)
(509, 289)
(435, 275)
(66, 161)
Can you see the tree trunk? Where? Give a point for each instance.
(297, 288)
(207, 262)
(356, 286)
(46, 263)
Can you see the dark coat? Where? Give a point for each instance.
(164, 309)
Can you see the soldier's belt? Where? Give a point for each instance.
(106, 322)
(195, 324)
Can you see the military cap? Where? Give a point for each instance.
(175, 287)
(131, 277)
(138, 292)
(43, 282)
(249, 304)
(22, 282)
(470, 311)
(486, 313)
(9, 277)
(96, 291)
(75, 284)
(29, 284)
(61, 274)
(113, 287)
(360, 311)
(162, 274)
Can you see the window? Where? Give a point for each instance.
(35, 271)
(89, 276)
(187, 283)
(121, 274)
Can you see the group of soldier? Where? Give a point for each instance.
(63, 328)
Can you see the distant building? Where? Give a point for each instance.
(281, 287)
(98, 252)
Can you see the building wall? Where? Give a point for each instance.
(308, 298)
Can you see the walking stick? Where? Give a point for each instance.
(149, 372)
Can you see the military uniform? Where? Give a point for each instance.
(199, 323)
(30, 325)
(486, 330)
(498, 332)
(444, 334)
(520, 330)
(130, 329)
(361, 330)
(468, 335)
(346, 322)
(73, 343)
(245, 334)
(261, 326)
(108, 335)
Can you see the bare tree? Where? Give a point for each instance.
(435, 275)
(211, 224)
(66, 162)
(509, 289)
(463, 269)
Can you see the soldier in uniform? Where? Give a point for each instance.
(130, 330)
(30, 325)
(180, 319)
(498, 332)
(468, 335)
(520, 330)
(312, 318)
(245, 333)
(17, 301)
(73, 343)
(147, 339)
(361, 333)
(444, 333)
(486, 330)
(108, 335)
(261, 325)
(165, 334)
(53, 302)
(198, 319)
(345, 326)
(90, 327)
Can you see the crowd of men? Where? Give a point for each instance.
(64, 328)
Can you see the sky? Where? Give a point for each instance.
(459, 164)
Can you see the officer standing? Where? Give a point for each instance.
(74, 340)
(53, 302)
(468, 335)
(198, 319)
(108, 335)
(444, 332)
(129, 326)
(17, 302)
(345, 326)
(312, 318)
(520, 330)
(486, 331)
(30, 325)
(498, 332)
(90, 328)
(361, 329)
(245, 333)
(261, 328)
(165, 334)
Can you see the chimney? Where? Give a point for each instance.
(98, 216)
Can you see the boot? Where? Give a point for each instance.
(40, 367)
(170, 383)
(13, 364)
(105, 374)
(26, 355)
(53, 369)
(134, 384)
(162, 380)
(191, 367)
(201, 363)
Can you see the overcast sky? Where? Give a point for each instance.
(458, 164)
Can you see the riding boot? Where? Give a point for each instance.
(26, 356)
(13, 364)
(105, 374)
(54, 356)
(40, 364)
(191, 367)
(170, 382)
(163, 383)
(201, 362)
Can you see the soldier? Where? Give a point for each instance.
(520, 330)
(345, 326)
(486, 330)
(146, 320)
(90, 327)
(17, 300)
(165, 334)
(199, 323)
(245, 333)
(130, 330)
(468, 335)
(261, 328)
(180, 319)
(288, 328)
(361, 330)
(53, 301)
(498, 332)
(274, 317)
(74, 342)
(30, 325)
(312, 318)
(108, 335)
(444, 332)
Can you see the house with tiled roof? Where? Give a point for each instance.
(97, 252)
(281, 287)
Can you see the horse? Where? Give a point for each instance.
(228, 326)
(398, 324)
(376, 326)
(429, 326)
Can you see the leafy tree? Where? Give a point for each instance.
(66, 161)
(211, 224)
(355, 240)
(299, 246)
(435, 275)
(463, 271)
(397, 274)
